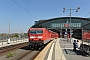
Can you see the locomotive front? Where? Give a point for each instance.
(35, 37)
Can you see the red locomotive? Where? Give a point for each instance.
(86, 35)
(85, 46)
(38, 37)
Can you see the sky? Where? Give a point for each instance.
(22, 13)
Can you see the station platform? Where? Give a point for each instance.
(60, 49)
(5, 43)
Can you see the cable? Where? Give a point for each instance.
(33, 8)
(87, 14)
(24, 9)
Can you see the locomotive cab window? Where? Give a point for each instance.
(32, 32)
(39, 32)
(36, 31)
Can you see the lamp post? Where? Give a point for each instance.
(70, 19)
(9, 34)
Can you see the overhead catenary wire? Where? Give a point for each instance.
(34, 9)
(24, 9)
(87, 14)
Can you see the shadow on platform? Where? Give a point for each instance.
(71, 52)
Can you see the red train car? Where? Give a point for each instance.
(38, 37)
(54, 35)
(86, 35)
(85, 46)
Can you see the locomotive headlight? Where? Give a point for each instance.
(40, 36)
(32, 36)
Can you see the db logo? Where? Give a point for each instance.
(66, 25)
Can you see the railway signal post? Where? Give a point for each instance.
(70, 19)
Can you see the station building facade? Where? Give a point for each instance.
(56, 24)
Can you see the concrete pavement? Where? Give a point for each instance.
(69, 54)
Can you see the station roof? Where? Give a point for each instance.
(40, 22)
(43, 21)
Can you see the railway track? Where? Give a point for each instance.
(29, 55)
(6, 49)
(21, 54)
